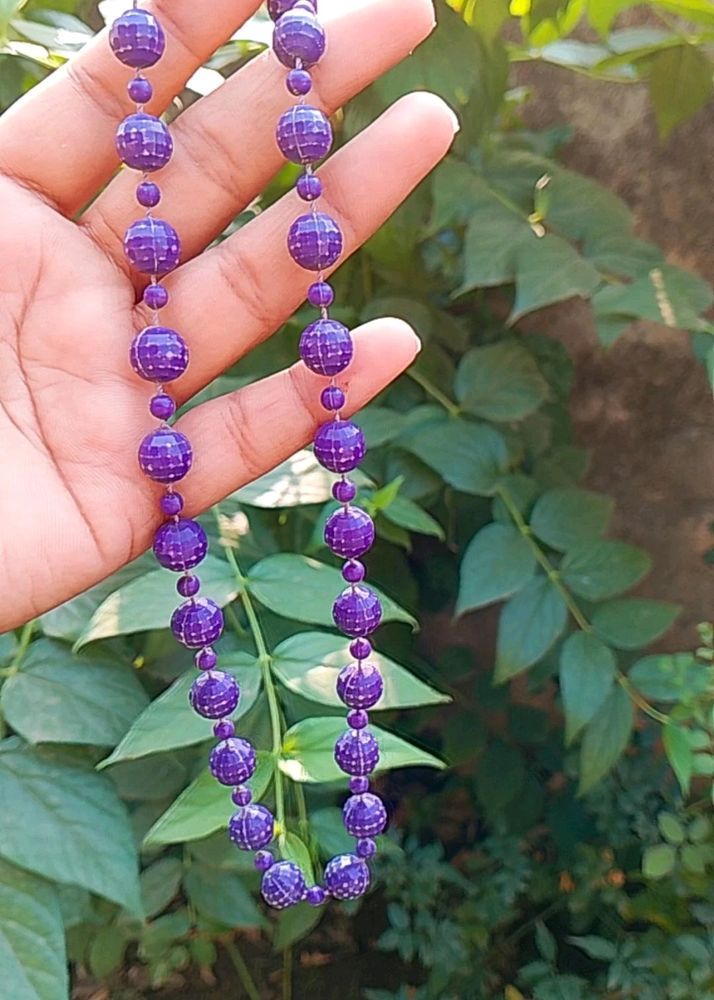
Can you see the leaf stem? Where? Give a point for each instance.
(25, 637)
(428, 386)
(239, 963)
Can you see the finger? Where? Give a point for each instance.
(225, 150)
(59, 139)
(240, 436)
(235, 295)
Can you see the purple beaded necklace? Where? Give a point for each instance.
(159, 355)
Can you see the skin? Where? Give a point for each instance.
(73, 505)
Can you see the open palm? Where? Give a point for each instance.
(73, 505)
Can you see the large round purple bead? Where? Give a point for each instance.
(360, 685)
(144, 142)
(347, 877)
(364, 815)
(252, 827)
(152, 246)
(315, 241)
(158, 354)
(339, 446)
(326, 347)
(283, 885)
(197, 623)
(232, 762)
(304, 134)
(180, 545)
(357, 752)
(276, 8)
(214, 695)
(137, 39)
(357, 611)
(165, 455)
(349, 532)
(298, 35)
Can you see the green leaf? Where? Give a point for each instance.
(297, 850)
(470, 457)
(303, 589)
(680, 82)
(596, 947)
(587, 674)
(32, 953)
(295, 924)
(548, 270)
(529, 625)
(666, 294)
(671, 676)
(696, 857)
(159, 884)
(633, 622)
(169, 721)
(566, 517)
(606, 736)
(107, 950)
(603, 568)
(204, 807)
(407, 514)
(74, 829)
(308, 664)
(149, 601)
(61, 698)
(500, 382)
(221, 896)
(308, 748)
(658, 860)
(670, 828)
(545, 942)
(298, 481)
(679, 754)
(498, 561)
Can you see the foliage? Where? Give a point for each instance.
(576, 820)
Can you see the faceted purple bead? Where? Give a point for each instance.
(148, 194)
(366, 847)
(197, 623)
(357, 611)
(326, 347)
(357, 752)
(321, 294)
(214, 695)
(144, 142)
(140, 90)
(165, 455)
(315, 241)
(171, 504)
(333, 399)
(224, 730)
(180, 545)
(276, 8)
(283, 885)
(263, 860)
(205, 659)
(344, 490)
(156, 296)
(152, 246)
(339, 446)
(347, 877)
(241, 796)
(364, 815)
(233, 761)
(158, 354)
(316, 895)
(252, 827)
(308, 187)
(299, 82)
(188, 586)
(162, 406)
(137, 39)
(304, 134)
(349, 532)
(360, 685)
(299, 36)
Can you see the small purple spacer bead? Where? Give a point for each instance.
(304, 134)
(283, 885)
(214, 695)
(358, 786)
(349, 532)
(321, 294)
(326, 347)
(205, 659)
(156, 296)
(148, 194)
(298, 35)
(364, 815)
(357, 719)
(232, 762)
(197, 623)
(360, 685)
(361, 648)
(241, 796)
(314, 241)
(137, 39)
(333, 399)
(162, 406)
(339, 446)
(140, 90)
(308, 187)
(188, 586)
(180, 545)
(357, 611)
(165, 455)
(347, 877)
(357, 752)
(299, 82)
(264, 860)
(366, 848)
(152, 246)
(251, 827)
(344, 490)
(171, 504)
(353, 571)
(224, 729)
(276, 8)
(144, 142)
(158, 354)
(316, 895)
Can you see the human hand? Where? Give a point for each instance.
(74, 506)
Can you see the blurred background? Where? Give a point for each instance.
(541, 481)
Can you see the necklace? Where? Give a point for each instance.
(159, 355)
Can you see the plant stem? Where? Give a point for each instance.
(434, 392)
(242, 969)
(287, 974)
(23, 645)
